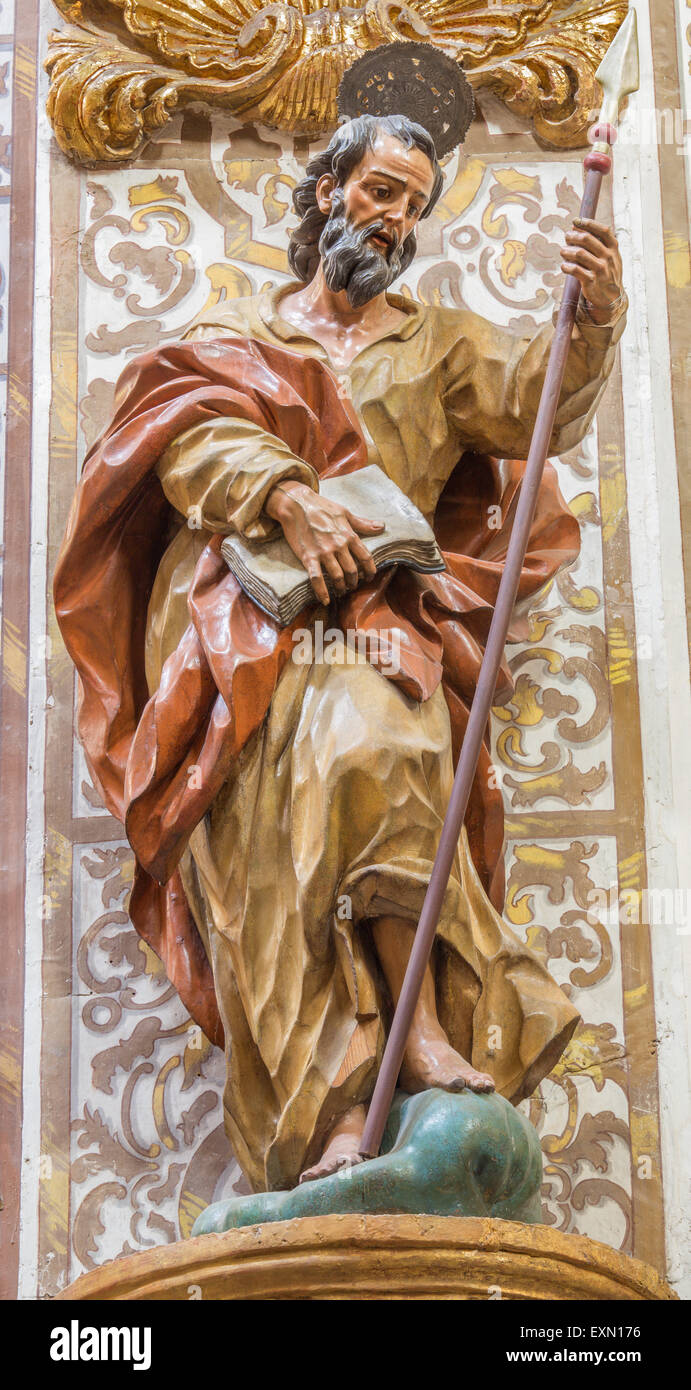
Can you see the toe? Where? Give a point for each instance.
(309, 1175)
(339, 1163)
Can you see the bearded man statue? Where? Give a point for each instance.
(285, 816)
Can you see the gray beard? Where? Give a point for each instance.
(349, 260)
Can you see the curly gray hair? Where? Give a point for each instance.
(345, 150)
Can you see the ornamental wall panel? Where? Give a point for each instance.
(124, 1140)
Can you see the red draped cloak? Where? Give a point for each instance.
(216, 688)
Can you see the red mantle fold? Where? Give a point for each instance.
(217, 686)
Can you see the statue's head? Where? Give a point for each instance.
(360, 202)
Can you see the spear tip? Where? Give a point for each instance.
(618, 72)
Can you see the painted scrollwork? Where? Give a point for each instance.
(585, 1145)
(148, 1145)
(125, 66)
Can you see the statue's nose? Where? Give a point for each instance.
(394, 219)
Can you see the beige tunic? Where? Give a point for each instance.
(334, 810)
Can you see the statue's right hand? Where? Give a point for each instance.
(324, 536)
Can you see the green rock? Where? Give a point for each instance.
(445, 1154)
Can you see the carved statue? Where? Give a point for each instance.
(285, 816)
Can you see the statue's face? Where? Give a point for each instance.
(371, 217)
(392, 185)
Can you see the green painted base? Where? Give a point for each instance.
(443, 1154)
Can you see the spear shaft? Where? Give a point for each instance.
(618, 75)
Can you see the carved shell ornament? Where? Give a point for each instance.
(124, 67)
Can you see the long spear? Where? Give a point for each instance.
(618, 76)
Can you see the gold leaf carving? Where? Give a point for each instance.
(125, 66)
(103, 103)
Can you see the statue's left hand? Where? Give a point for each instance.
(592, 255)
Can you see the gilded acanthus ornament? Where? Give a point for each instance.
(125, 66)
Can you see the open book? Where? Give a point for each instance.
(272, 575)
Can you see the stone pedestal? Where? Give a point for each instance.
(378, 1257)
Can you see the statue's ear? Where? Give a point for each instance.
(324, 192)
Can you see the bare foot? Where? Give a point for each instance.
(430, 1060)
(342, 1148)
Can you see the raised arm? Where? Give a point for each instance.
(495, 378)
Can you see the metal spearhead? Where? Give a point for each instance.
(618, 72)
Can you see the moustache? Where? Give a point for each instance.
(374, 229)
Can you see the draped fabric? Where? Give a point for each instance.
(217, 686)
